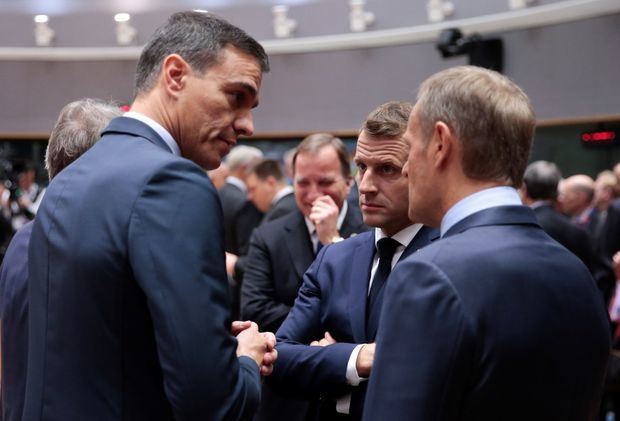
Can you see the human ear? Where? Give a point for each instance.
(175, 72)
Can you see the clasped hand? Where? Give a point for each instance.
(260, 346)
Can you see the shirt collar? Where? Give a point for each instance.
(281, 193)
(484, 199)
(159, 129)
(404, 236)
(343, 213)
(237, 182)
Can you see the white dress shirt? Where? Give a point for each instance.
(159, 129)
(404, 237)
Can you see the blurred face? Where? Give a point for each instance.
(382, 186)
(424, 199)
(572, 201)
(261, 192)
(215, 107)
(319, 175)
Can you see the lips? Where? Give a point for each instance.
(371, 206)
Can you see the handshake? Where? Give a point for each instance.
(260, 346)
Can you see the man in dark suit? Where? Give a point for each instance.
(240, 214)
(539, 191)
(495, 320)
(339, 303)
(78, 127)
(128, 299)
(268, 190)
(281, 250)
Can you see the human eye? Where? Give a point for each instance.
(326, 182)
(388, 169)
(361, 167)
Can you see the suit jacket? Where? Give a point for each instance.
(14, 317)
(128, 294)
(610, 236)
(332, 298)
(282, 207)
(574, 238)
(240, 218)
(494, 321)
(280, 252)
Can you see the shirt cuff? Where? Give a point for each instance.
(353, 379)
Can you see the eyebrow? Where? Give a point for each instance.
(251, 90)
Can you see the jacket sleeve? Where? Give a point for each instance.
(423, 352)
(303, 370)
(258, 295)
(176, 253)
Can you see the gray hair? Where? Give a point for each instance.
(78, 127)
(242, 155)
(489, 114)
(198, 37)
(313, 143)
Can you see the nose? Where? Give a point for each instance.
(244, 124)
(366, 182)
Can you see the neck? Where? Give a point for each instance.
(151, 105)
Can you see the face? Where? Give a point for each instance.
(423, 194)
(318, 175)
(261, 192)
(215, 107)
(382, 186)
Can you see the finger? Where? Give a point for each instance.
(239, 326)
(314, 343)
(329, 338)
(270, 339)
(266, 370)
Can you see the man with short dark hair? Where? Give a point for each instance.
(268, 190)
(78, 127)
(495, 320)
(539, 191)
(326, 344)
(129, 301)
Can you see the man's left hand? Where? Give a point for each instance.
(327, 340)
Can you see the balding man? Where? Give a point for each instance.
(78, 127)
(494, 320)
(576, 201)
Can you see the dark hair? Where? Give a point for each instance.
(266, 168)
(388, 120)
(489, 114)
(198, 37)
(315, 142)
(541, 179)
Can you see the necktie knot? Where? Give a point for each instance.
(386, 247)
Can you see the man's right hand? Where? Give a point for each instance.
(365, 359)
(252, 343)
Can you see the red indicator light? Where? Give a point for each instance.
(598, 137)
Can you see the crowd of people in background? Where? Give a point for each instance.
(407, 281)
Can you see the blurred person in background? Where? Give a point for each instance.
(78, 127)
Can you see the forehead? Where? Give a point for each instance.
(371, 149)
(324, 161)
(234, 65)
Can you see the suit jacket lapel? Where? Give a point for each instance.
(133, 127)
(423, 237)
(359, 279)
(299, 244)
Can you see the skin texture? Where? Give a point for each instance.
(206, 111)
(320, 190)
(383, 189)
(262, 192)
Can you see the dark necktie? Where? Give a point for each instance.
(385, 248)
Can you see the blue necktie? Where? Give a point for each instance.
(386, 247)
